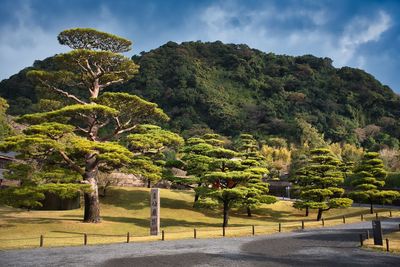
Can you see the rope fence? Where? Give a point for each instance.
(78, 238)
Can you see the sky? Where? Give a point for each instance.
(363, 34)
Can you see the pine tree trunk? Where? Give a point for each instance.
(371, 207)
(92, 205)
(307, 211)
(226, 214)
(319, 216)
(248, 212)
(148, 183)
(196, 198)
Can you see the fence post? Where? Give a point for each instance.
(162, 235)
(253, 230)
(223, 231)
(85, 239)
(127, 237)
(361, 240)
(194, 233)
(344, 219)
(367, 234)
(323, 222)
(41, 241)
(280, 227)
(302, 224)
(390, 213)
(362, 217)
(387, 244)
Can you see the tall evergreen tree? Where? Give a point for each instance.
(319, 181)
(84, 128)
(369, 177)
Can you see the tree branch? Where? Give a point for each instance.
(71, 163)
(110, 83)
(58, 90)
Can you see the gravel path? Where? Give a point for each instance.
(333, 246)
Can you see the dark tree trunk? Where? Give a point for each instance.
(196, 198)
(92, 205)
(307, 211)
(148, 183)
(371, 209)
(226, 214)
(248, 212)
(319, 216)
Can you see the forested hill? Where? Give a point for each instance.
(233, 88)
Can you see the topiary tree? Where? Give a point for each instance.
(369, 176)
(253, 161)
(319, 182)
(84, 129)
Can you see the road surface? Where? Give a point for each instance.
(333, 246)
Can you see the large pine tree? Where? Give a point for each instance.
(83, 129)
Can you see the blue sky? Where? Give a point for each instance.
(363, 34)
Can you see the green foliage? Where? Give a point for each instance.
(368, 179)
(231, 89)
(85, 38)
(319, 182)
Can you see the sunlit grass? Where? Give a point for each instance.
(394, 242)
(127, 210)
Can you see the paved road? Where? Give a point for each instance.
(335, 246)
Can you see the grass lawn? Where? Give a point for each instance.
(394, 242)
(127, 210)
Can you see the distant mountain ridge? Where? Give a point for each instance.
(233, 88)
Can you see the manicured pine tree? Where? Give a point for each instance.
(254, 162)
(369, 177)
(85, 130)
(319, 181)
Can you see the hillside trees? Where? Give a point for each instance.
(319, 181)
(85, 129)
(368, 178)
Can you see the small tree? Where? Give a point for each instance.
(368, 178)
(319, 182)
(253, 161)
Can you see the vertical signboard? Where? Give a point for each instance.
(377, 230)
(154, 211)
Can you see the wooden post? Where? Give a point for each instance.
(253, 230)
(85, 239)
(127, 237)
(361, 240)
(302, 224)
(387, 244)
(323, 222)
(162, 235)
(194, 233)
(280, 227)
(223, 231)
(41, 241)
(367, 234)
(344, 219)
(390, 213)
(362, 217)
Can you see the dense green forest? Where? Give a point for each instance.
(232, 88)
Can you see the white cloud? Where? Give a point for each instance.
(361, 31)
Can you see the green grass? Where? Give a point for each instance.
(127, 210)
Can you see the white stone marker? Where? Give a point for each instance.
(154, 211)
